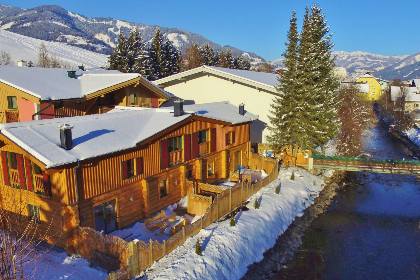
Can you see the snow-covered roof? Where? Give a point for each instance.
(97, 135)
(261, 80)
(54, 83)
(412, 94)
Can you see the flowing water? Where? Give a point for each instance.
(371, 230)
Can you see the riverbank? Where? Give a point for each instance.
(228, 251)
(280, 258)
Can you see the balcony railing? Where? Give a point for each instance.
(14, 177)
(38, 183)
(203, 148)
(175, 157)
(12, 116)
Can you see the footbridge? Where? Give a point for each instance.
(364, 164)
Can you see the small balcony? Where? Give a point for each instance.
(12, 116)
(203, 148)
(175, 157)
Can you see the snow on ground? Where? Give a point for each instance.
(414, 135)
(26, 48)
(227, 251)
(56, 264)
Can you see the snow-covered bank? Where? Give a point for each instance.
(227, 251)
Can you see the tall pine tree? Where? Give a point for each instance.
(283, 114)
(156, 59)
(136, 54)
(118, 59)
(193, 57)
(172, 59)
(316, 54)
(208, 53)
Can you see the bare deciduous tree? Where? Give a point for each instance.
(354, 114)
(5, 58)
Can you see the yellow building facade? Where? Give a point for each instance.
(374, 87)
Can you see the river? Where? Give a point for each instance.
(372, 228)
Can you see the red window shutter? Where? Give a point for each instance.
(227, 138)
(212, 140)
(155, 102)
(5, 168)
(195, 145)
(21, 171)
(139, 165)
(28, 172)
(187, 147)
(124, 170)
(233, 137)
(164, 154)
(47, 186)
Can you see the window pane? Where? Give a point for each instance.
(37, 169)
(13, 161)
(12, 102)
(130, 168)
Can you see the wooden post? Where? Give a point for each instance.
(164, 247)
(183, 234)
(112, 276)
(145, 192)
(201, 222)
(218, 207)
(211, 219)
(183, 179)
(224, 164)
(134, 259)
(131, 267)
(188, 204)
(230, 199)
(150, 252)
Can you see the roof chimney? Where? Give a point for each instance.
(71, 74)
(81, 67)
(178, 108)
(65, 136)
(21, 63)
(242, 109)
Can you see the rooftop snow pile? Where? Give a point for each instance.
(97, 135)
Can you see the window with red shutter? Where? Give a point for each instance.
(5, 168)
(124, 170)
(212, 140)
(28, 172)
(139, 166)
(187, 147)
(233, 137)
(195, 145)
(164, 154)
(21, 171)
(47, 185)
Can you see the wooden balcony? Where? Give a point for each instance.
(203, 148)
(14, 177)
(38, 183)
(175, 157)
(12, 116)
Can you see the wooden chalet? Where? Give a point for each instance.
(110, 170)
(28, 93)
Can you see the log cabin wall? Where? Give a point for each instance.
(101, 180)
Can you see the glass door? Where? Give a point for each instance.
(105, 217)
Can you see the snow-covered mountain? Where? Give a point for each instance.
(357, 63)
(26, 48)
(53, 23)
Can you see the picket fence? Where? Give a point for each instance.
(142, 255)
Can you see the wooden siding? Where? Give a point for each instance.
(103, 174)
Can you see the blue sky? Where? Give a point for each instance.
(382, 27)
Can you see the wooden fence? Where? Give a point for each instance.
(142, 255)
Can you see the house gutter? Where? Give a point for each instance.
(39, 112)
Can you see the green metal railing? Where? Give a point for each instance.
(368, 160)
